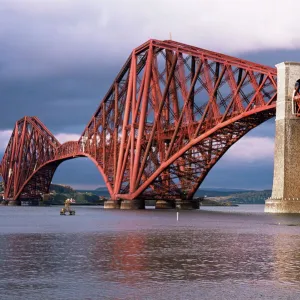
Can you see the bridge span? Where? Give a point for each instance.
(169, 116)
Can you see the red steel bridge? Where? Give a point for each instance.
(169, 116)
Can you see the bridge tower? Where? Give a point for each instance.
(286, 181)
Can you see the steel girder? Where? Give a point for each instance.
(169, 116)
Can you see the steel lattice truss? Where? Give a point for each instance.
(31, 146)
(169, 116)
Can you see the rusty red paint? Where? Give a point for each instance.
(169, 116)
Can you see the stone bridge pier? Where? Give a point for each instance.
(286, 181)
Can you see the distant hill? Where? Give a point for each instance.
(60, 188)
(254, 197)
(209, 192)
(102, 188)
(218, 192)
(249, 197)
(232, 190)
(59, 193)
(221, 195)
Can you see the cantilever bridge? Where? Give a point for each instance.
(169, 116)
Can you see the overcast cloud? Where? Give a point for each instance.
(48, 37)
(59, 57)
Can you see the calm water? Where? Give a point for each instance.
(214, 253)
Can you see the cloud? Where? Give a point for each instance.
(58, 58)
(251, 149)
(62, 138)
(42, 37)
(66, 137)
(4, 138)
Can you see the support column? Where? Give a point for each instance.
(112, 204)
(133, 204)
(286, 181)
(162, 204)
(14, 203)
(187, 204)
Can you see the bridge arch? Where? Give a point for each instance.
(41, 178)
(237, 127)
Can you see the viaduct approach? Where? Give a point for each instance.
(169, 116)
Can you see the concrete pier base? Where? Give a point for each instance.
(187, 204)
(133, 204)
(14, 203)
(282, 206)
(112, 204)
(286, 187)
(162, 204)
